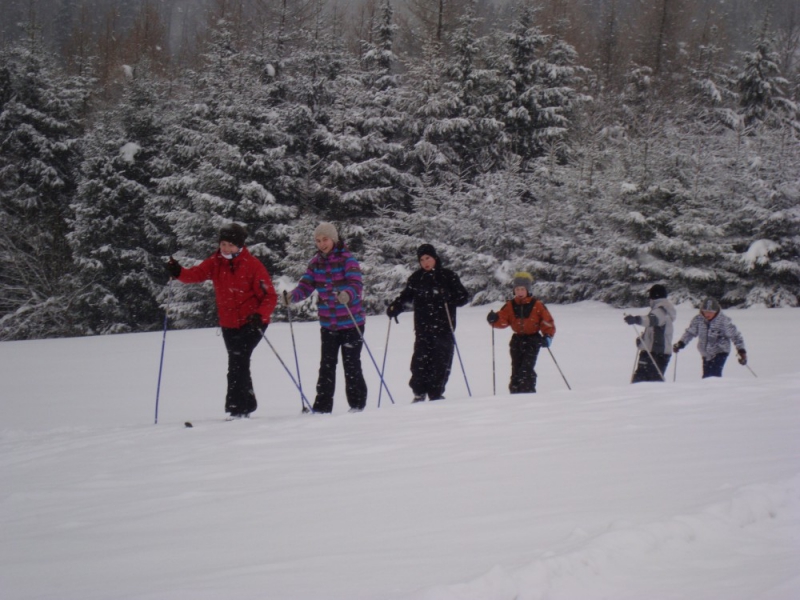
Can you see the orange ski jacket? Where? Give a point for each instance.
(526, 317)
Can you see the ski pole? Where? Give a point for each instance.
(383, 383)
(494, 371)
(746, 365)
(675, 369)
(653, 360)
(306, 403)
(383, 366)
(163, 344)
(455, 343)
(559, 368)
(294, 345)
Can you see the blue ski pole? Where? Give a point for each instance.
(306, 403)
(383, 383)
(383, 366)
(163, 344)
(294, 344)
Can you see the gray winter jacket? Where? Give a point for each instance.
(715, 336)
(658, 324)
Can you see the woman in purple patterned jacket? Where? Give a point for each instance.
(336, 276)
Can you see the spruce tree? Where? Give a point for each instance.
(761, 86)
(226, 155)
(452, 105)
(117, 236)
(41, 124)
(538, 92)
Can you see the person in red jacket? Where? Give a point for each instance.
(245, 301)
(533, 327)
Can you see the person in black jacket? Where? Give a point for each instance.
(434, 292)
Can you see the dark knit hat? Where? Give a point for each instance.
(522, 279)
(429, 250)
(657, 291)
(233, 233)
(710, 305)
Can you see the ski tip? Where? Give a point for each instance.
(188, 424)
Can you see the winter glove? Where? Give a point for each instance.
(393, 310)
(343, 297)
(546, 341)
(492, 317)
(631, 320)
(256, 322)
(742, 357)
(679, 345)
(286, 298)
(173, 267)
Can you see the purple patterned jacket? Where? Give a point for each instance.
(329, 274)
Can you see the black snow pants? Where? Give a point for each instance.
(647, 371)
(431, 364)
(240, 343)
(524, 352)
(350, 343)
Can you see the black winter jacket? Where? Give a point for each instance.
(428, 291)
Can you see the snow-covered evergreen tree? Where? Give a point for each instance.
(538, 94)
(359, 142)
(117, 236)
(226, 154)
(41, 124)
(451, 102)
(766, 260)
(761, 86)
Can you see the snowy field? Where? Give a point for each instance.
(684, 490)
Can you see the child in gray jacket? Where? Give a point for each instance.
(715, 332)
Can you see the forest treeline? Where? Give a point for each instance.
(601, 162)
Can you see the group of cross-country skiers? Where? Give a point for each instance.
(246, 298)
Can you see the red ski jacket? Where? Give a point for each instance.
(238, 287)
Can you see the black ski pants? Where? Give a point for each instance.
(524, 352)
(349, 342)
(431, 364)
(647, 371)
(240, 343)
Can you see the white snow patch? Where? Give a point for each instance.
(129, 151)
(758, 252)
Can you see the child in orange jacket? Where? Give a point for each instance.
(533, 327)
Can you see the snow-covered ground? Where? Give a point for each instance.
(689, 489)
